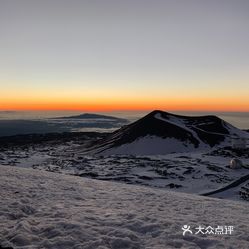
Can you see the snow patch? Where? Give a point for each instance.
(150, 145)
(47, 210)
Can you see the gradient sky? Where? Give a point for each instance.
(124, 54)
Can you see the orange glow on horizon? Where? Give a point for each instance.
(132, 105)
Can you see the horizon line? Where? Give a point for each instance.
(122, 110)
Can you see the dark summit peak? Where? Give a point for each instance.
(159, 112)
(168, 114)
(155, 113)
(189, 131)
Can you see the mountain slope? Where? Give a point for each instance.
(161, 132)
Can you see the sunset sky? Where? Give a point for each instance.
(124, 55)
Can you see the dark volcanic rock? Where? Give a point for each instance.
(230, 152)
(244, 192)
(207, 130)
(54, 138)
(8, 247)
(173, 185)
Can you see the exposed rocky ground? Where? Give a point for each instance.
(196, 172)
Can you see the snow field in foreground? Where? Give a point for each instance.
(47, 210)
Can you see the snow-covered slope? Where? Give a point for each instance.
(162, 133)
(47, 210)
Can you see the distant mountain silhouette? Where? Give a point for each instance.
(83, 122)
(164, 132)
(94, 116)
